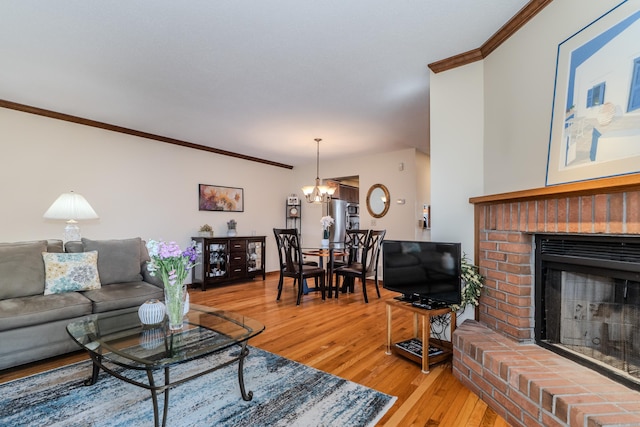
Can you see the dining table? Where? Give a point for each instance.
(330, 254)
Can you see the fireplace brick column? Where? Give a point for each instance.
(505, 230)
(495, 357)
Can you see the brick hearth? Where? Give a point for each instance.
(496, 357)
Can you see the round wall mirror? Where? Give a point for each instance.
(378, 200)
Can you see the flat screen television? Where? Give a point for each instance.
(423, 271)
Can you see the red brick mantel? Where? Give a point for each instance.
(497, 358)
(506, 223)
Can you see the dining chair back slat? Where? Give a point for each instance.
(376, 237)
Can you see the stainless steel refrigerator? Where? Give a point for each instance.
(346, 217)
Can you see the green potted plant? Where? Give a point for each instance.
(472, 283)
(206, 231)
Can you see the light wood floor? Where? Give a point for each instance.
(345, 337)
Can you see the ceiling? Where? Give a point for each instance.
(258, 78)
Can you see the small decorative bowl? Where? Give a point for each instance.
(151, 312)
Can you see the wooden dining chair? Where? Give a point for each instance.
(364, 263)
(281, 259)
(353, 246)
(282, 263)
(292, 265)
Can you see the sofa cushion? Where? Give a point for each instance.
(55, 245)
(70, 272)
(40, 309)
(73, 246)
(118, 260)
(122, 295)
(21, 269)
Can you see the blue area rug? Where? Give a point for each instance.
(285, 393)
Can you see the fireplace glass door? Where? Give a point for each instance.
(588, 304)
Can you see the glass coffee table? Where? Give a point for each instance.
(121, 340)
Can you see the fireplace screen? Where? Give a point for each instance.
(588, 302)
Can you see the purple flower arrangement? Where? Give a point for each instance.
(174, 265)
(172, 262)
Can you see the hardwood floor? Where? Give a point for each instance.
(345, 337)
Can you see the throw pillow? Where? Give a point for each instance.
(70, 272)
(118, 259)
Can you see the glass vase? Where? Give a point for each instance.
(325, 238)
(174, 300)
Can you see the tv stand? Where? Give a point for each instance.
(421, 348)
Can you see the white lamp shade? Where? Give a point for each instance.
(70, 206)
(307, 189)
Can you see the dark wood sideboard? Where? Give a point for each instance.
(228, 259)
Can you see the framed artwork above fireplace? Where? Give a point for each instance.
(595, 120)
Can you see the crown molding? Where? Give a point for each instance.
(525, 14)
(114, 128)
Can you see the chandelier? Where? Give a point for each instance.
(318, 193)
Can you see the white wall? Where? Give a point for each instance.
(423, 193)
(146, 188)
(490, 120)
(138, 187)
(401, 221)
(457, 128)
(519, 84)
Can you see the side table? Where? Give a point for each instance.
(421, 335)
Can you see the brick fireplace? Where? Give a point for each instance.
(496, 356)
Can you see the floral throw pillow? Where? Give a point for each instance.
(68, 272)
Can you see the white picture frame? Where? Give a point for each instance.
(596, 104)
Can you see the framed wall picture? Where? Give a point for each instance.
(595, 121)
(217, 198)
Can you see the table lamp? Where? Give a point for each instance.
(71, 207)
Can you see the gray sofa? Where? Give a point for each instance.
(33, 319)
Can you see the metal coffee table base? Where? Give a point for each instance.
(155, 389)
